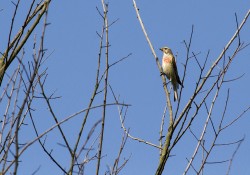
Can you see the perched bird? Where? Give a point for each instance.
(170, 69)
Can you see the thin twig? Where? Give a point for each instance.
(105, 11)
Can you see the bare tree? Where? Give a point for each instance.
(26, 85)
(180, 122)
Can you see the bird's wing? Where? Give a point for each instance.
(176, 72)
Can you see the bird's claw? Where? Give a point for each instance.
(164, 84)
(162, 73)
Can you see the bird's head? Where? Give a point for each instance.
(166, 50)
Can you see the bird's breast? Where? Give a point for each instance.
(167, 60)
(167, 69)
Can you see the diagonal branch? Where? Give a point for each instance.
(165, 152)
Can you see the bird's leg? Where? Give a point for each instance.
(162, 73)
(165, 83)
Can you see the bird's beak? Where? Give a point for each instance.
(161, 49)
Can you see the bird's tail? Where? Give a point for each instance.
(175, 94)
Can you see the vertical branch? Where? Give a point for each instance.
(203, 153)
(105, 11)
(6, 146)
(90, 103)
(11, 28)
(18, 121)
(17, 124)
(232, 158)
(161, 127)
(165, 152)
(188, 46)
(116, 169)
(157, 62)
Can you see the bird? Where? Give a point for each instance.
(170, 69)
